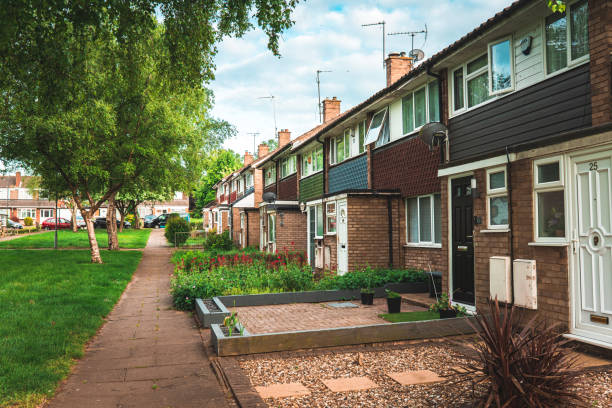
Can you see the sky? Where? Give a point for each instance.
(328, 35)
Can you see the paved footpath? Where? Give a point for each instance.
(147, 354)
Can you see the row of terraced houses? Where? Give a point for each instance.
(513, 201)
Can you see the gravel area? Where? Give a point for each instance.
(310, 370)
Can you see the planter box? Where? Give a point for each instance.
(208, 317)
(217, 336)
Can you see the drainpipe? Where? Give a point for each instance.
(509, 187)
(390, 230)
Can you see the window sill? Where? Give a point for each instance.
(302, 177)
(490, 231)
(422, 245)
(330, 234)
(549, 244)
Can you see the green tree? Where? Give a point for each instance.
(271, 143)
(218, 164)
(97, 95)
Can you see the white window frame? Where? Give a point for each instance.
(571, 63)
(271, 217)
(419, 243)
(466, 78)
(496, 192)
(346, 137)
(43, 211)
(381, 128)
(27, 212)
(273, 178)
(361, 125)
(309, 169)
(319, 211)
(291, 163)
(249, 180)
(427, 113)
(328, 215)
(544, 188)
(490, 68)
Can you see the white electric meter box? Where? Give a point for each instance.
(500, 283)
(525, 283)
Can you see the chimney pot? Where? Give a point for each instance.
(18, 179)
(284, 136)
(331, 108)
(398, 65)
(248, 158)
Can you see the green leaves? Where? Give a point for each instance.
(558, 6)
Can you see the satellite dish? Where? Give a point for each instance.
(417, 54)
(433, 133)
(269, 197)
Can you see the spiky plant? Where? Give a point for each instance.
(520, 367)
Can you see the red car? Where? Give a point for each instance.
(62, 223)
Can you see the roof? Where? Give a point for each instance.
(10, 181)
(425, 65)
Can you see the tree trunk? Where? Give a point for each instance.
(75, 227)
(91, 235)
(136, 219)
(111, 225)
(122, 217)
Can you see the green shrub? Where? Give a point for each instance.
(218, 242)
(177, 230)
(28, 221)
(130, 218)
(196, 224)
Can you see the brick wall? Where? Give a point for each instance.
(258, 185)
(551, 262)
(287, 188)
(291, 235)
(253, 228)
(600, 47)
(330, 252)
(408, 166)
(235, 224)
(225, 218)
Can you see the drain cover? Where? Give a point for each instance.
(342, 304)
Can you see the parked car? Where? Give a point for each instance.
(100, 222)
(12, 224)
(148, 219)
(160, 221)
(80, 222)
(62, 223)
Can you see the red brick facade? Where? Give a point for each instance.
(600, 47)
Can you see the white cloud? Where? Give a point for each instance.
(328, 36)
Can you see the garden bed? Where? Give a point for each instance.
(211, 311)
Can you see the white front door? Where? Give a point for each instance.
(342, 237)
(592, 245)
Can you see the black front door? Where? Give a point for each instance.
(462, 242)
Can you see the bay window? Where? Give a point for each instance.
(497, 198)
(288, 166)
(330, 215)
(421, 107)
(27, 212)
(312, 162)
(549, 195)
(565, 32)
(423, 216)
(270, 175)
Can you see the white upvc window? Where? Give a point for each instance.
(423, 216)
(312, 162)
(471, 84)
(240, 185)
(249, 179)
(549, 196)
(379, 129)
(340, 147)
(497, 198)
(27, 212)
(271, 228)
(319, 221)
(362, 131)
(330, 216)
(288, 166)
(269, 175)
(501, 66)
(567, 37)
(420, 107)
(46, 213)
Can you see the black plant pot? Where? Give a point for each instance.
(447, 314)
(394, 304)
(367, 298)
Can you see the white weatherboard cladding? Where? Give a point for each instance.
(246, 202)
(395, 120)
(529, 69)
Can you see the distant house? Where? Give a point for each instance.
(178, 204)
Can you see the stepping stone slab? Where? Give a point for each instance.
(342, 304)
(350, 384)
(282, 390)
(415, 377)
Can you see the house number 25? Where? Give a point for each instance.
(593, 166)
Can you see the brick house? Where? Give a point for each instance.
(525, 195)
(18, 201)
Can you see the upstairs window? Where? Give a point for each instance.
(561, 37)
(421, 107)
(340, 147)
(312, 162)
(288, 166)
(249, 180)
(500, 66)
(362, 125)
(376, 132)
(270, 175)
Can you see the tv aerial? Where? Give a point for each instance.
(383, 24)
(415, 53)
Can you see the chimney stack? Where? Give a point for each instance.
(248, 158)
(398, 65)
(331, 108)
(262, 150)
(284, 136)
(18, 179)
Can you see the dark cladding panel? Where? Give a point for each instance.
(287, 188)
(350, 175)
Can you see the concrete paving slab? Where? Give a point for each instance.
(350, 384)
(295, 389)
(415, 377)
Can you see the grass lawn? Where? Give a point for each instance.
(130, 238)
(410, 316)
(49, 308)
